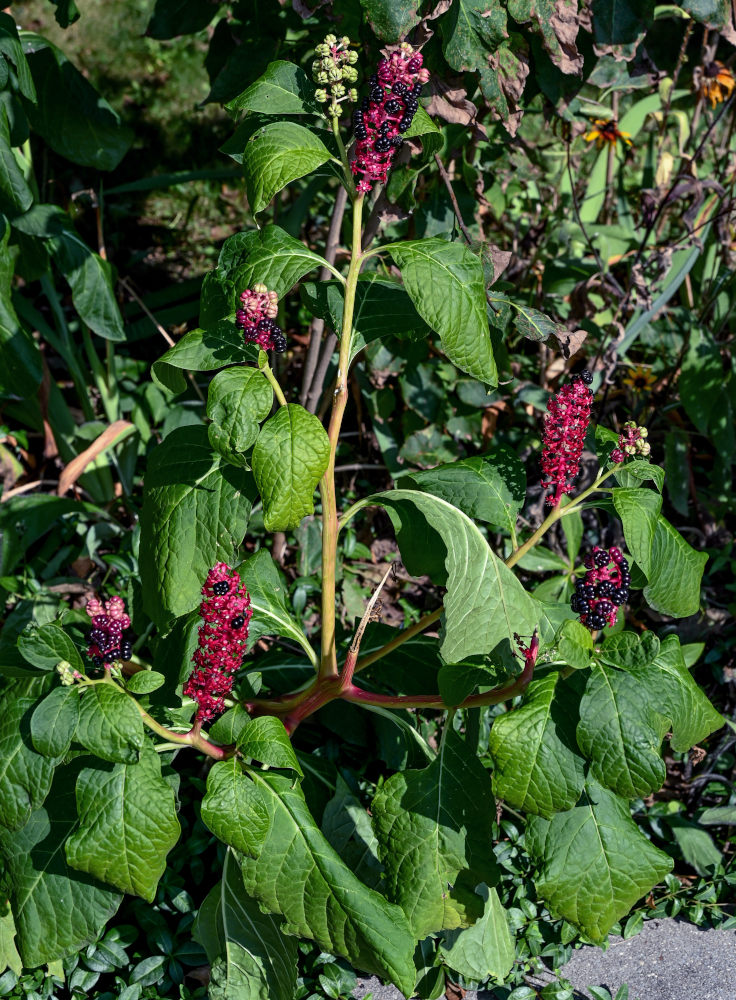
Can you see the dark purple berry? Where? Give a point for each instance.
(111, 655)
(397, 142)
(605, 589)
(279, 343)
(382, 144)
(586, 376)
(404, 124)
(586, 591)
(97, 661)
(221, 588)
(416, 90)
(414, 65)
(601, 558)
(400, 89)
(361, 132)
(596, 621)
(126, 650)
(238, 621)
(620, 596)
(377, 94)
(392, 107)
(604, 607)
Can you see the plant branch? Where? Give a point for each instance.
(455, 207)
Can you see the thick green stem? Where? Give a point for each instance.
(328, 663)
(278, 392)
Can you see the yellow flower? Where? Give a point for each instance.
(606, 130)
(716, 82)
(639, 378)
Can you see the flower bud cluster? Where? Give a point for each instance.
(632, 441)
(333, 68)
(385, 114)
(257, 318)
(109, 622)
(603, 589)
(565, 424)
(226, 612)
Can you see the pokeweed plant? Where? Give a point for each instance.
(578, 709)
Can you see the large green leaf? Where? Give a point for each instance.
(56, 911)
(620, 24)
(434, 838)
(25, 776)
(269, 255)
(299, 876)
(472, 29)
(48, 645)
(70, 115)
(20, 359)
(195, 512)
(233, 807)
(109, 724)
(594, 863)
(557, 21)
(638, 510)
(347, 825)
(268, 597)
(289, 458)
(127, 824)
(621, 732)
(276, 155)
(714, 13)
(15, 194)
(446, 284)
(391, 19)
(237, 401)
(284, 89)
(249, 956)
(179, 17)
(484, 604)
(265, 739)
(485, 950)
(12, 51)
(489, 487)
(54, 722)
(201, 351)
(537, 766)
(91, 281)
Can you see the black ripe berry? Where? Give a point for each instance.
(382, 144)
(221, 588)
(97, 661)
(279, 343)
(605, 589)
(601, 559)
(111, 655)
(404, 124)
(586, 376)
(377, 94)
(392, 107)
(126, 650)
(400, 89)
(620, 596)
(596, 621)
(237, 622)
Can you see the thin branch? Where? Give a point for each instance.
(453, 199)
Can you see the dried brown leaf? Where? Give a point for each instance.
(76, 467)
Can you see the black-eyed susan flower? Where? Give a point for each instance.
(639, 378)
(716, 82)
(606, 130)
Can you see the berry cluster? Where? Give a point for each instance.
(603, 589)
(333, 68)
(226, 612)
(565, 424)
(631, 441)
(257, 319)
(385, 114)
(109, 622)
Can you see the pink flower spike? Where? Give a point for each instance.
(565, 424)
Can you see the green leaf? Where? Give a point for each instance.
(638, 471)
(484, 604)
(347, 825)
(472, 29)
(446, 284)
(489, 487)
(15, 195)
(145, 681)
(626, 649)
(267, 741)
(458, 680)
(110, 724)
(537, 766)
(233, 807)
(638, 510)
(382, 309)
(48, 645)
(620, 24)
(201, 351)
(485, 950)
(229, 726)
(9, 957)
(557, 21)
(195, 512)
(714, 13)
(71, 116)
(676, 572)
(289, 457)
(276, 155)
(575, 644)
(91, 281)
(284, 89)
(249, 956)
(66, 12)
(390, 20)
(54, 722)
(237, 401)
(56, 912)
(667, 684)
(127, 825)
(12, 50)
(299, 876)
(434, 838)
(179, 17)
(20, 359)
(268, 598)
(25, 776)
(268, 255)
(621, 733)
(594, 863)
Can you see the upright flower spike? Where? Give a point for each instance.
(109, 622)
(226, 612)
(565, 424)
(603, 589)
(257, 319)
(386, 113)
(333, 68)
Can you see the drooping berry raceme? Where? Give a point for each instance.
(631, 441)
(565, 424)
(109, 622)
(257, 319)
(603, 589)
(386, 113)
(226, 612)
(333, 68)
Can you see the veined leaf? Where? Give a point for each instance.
(15, 195)
(433, 831)
(233, 807)
(593, 862)
(299, 876)
(127, 824)
(289, 458)
(54, 722)
(284, 89)
(268, 596)
(265, 739)
(20, 359)
(485, 950)
(250, 957)
(276, 155)
(201, 351)
(237, 401)
(268, 255)
(110, 724)
(472, 29)
(48, 645)
(391, 19)
(25, 776)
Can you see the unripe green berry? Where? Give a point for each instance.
(335, 74)
(321, 96)
(322, 77)
(322, 49)
(645, 448)
(352, 57)
(349, 73)
(353, 95)
(330, 39)
(344, 41)
(338, 90)
(643, 432)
